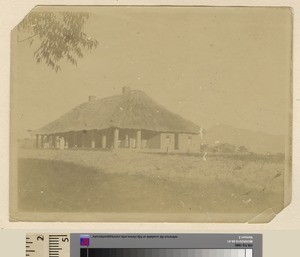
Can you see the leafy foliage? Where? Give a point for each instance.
(243, 149)
(58, 36)
(226, 148)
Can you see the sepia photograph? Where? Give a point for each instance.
(151, 114)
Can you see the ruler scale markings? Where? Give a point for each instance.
(47, 245)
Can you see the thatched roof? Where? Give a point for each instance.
(130, 110)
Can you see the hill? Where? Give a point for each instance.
(256, 141)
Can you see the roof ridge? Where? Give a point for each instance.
(131, 109)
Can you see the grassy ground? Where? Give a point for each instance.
(129, 181)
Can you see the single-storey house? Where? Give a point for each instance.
(128, 120)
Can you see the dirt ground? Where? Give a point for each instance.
(130, 181)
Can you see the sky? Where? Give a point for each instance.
(209, 65)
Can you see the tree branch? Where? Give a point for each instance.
(19, 41)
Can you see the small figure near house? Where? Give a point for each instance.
(62, 143)
(201, 131)
(57, 141)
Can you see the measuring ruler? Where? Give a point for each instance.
(48, 245)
